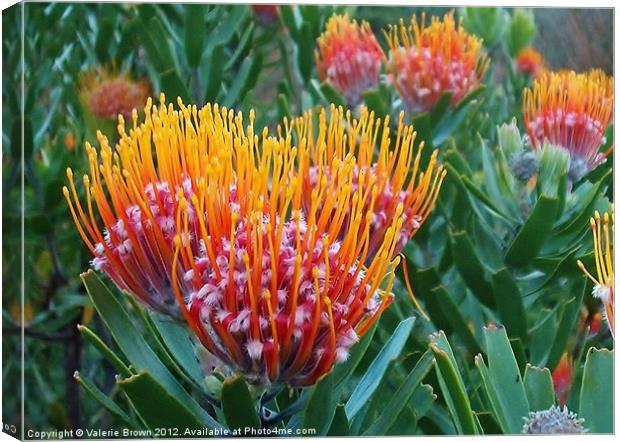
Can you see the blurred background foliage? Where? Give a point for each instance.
(482, 258)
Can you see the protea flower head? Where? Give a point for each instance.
(572, 111)
(396, 174)
(554, 420)
(426, 61)
(603, 232)
(205, 216)
(107, 94)
(349, 57)
(529, 61)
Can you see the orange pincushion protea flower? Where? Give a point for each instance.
(395, 173)
(426, 61)
(202, 215)
(108, 95)
(529, 61)
(572, 111)
(349, 57)
(603, 233)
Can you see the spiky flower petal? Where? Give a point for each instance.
(426, 61)
(555, 420)
(107, 94)
(349, 57)
(603, 233)
(572, 111)
(200, 210)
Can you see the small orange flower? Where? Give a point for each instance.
(603, 233)
(69, 141)
(426, 61)
(108, 95)
(349, 57)
(529, 61)
(572, 111)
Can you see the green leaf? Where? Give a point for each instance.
(104, 400)
(132, 344)
(440, 108)
(509, 304)
(227, 26)
(452, 385)
(214, 73)
(538, 386)
(371, 379)
(244, 79)
(155, 406)
(596, 401)
(178, 342)
(402, 396)
(340, 423)
(105, 350)
(567, 324)
(195, 33)
(305, 49)
(342, 372)
(503, 382)
(331, 95)
(459, 323)
(471, 267)
(375, 102)
(238, 405)
(532, 235)
(321, 407)
(173, 86)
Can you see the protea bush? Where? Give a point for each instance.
(303, 221)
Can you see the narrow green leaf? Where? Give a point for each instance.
(371, 379)
(321, 407)
(340, 423)
(195, 32)
(459, 323)
(539, 388)
(178, 342)
(376, 102)
(173, 86)
(471, 267)
(532, 235)
(332, 96)
(342, 372)
(155, 406)
(402, 396)
(506, 379)
(509, 304)
(105, 350)
(596, 401)
(104, 400)
(227, 26)
(568, 323)
(440, 108)
(305, 49)
(451, 384)
(238, 405)
(214, 73)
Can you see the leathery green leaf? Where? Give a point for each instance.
(596, 401)
(509, 304)
(321, 407)
(372, 378)
(155, 406)
(452, 385)
(239, 407)
(539, 388)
